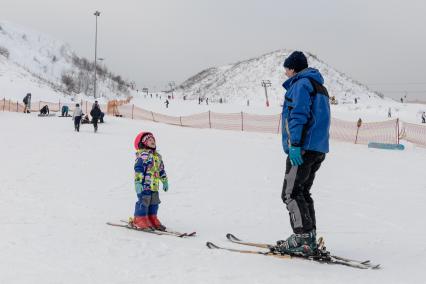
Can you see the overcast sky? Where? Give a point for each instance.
(381, 43)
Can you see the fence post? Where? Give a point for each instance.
(180, 119)
(153, 119)
(133, 107)
(358, 124)
(242, 122)
(4, 103)
(397, 131)
(17, 106)
(9, 104)
(39, 102)
(210, 121)
(279, 123)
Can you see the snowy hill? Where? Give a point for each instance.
(242, 80)
(239, 82)
(54, 205)
(52, 64)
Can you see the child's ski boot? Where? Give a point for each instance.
(141, 223)
(156, 223)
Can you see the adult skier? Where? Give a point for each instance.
(27, 103)
(96, 114)
(76, 116)
(305, 139)
(44, 111)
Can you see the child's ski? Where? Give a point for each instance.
(134, 228)
(321, 247)
(192, 234)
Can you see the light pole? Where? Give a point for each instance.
(97, 14)
(266, 84)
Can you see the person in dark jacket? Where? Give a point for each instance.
(101, 117)
(96, 114)
(44, 110)
(27, 103)
(305, 139)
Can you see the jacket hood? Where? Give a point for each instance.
(306, 73)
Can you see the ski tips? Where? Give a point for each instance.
(231, 237)
(211, 245)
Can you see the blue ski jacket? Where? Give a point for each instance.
(306, 112)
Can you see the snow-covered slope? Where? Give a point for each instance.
(47, 60)
(58, 188)
(15, 82)
(242, 80)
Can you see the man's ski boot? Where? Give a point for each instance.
(298, 244)
(156, 223)
(141, 223)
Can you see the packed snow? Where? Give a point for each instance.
(60, 187)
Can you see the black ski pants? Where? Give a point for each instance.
(95, 123)
(296, 194)
(77, 120)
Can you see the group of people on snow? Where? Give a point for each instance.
(78, 116)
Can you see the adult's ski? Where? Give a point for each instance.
(321, 248)
(319, 258)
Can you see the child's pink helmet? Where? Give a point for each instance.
(141, 138)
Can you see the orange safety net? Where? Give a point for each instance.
(383, 132)
(414, 133)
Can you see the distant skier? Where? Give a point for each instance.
(27, 103)
(64, 110)
(96, 114)
(101, 116)
(305, 138)
(76, 116)
(44, 111)
(423, 117)
(389, 112)
(85, 119)
(149, 171)
(167, 103)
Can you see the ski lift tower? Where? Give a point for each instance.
(172, 86)
(266, 84)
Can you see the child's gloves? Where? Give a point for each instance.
(295, 155)
(165, 186)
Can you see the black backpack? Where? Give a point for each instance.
(25, 100)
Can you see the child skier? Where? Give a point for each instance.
(149, 171)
